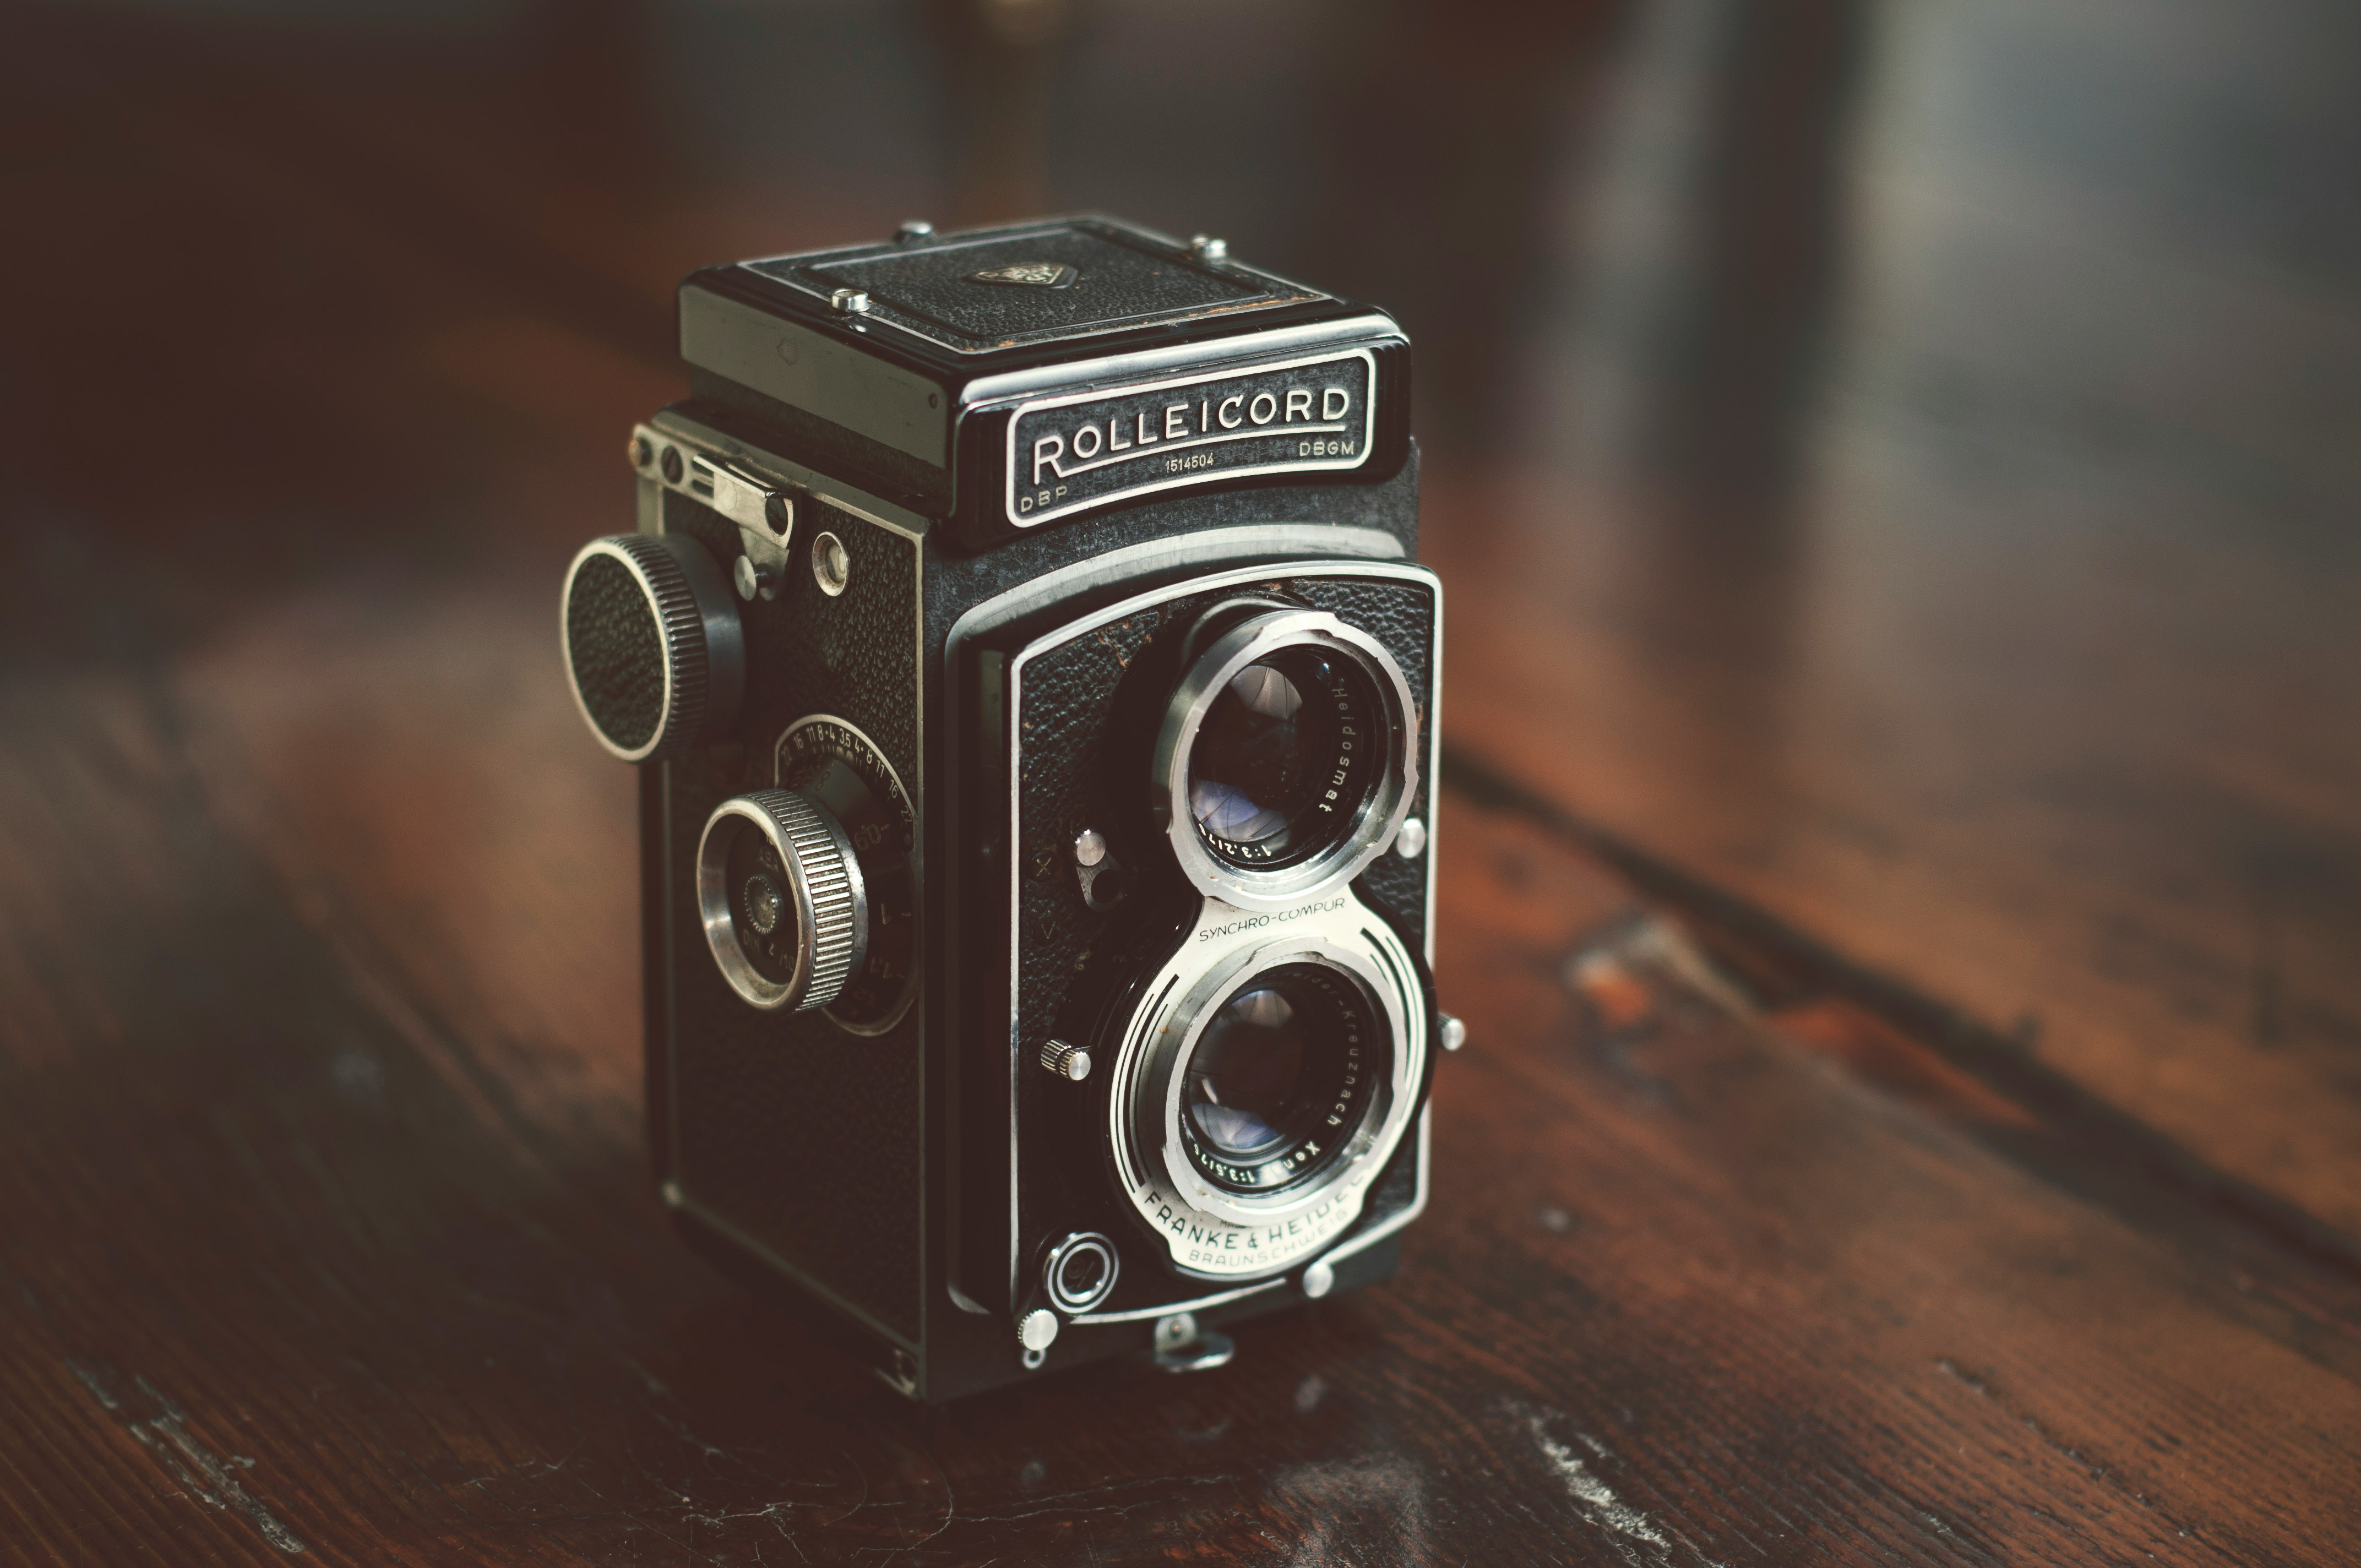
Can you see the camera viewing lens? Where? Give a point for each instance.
(1279, 1078)
(1288, 754)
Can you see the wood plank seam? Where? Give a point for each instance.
(2071, 1137)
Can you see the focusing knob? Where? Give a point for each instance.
(653, 645)
(781, 899)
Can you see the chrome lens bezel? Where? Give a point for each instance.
(1378, 819)
(1153, 1115)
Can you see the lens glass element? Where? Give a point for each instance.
(1279, 1078)
(1289, 752)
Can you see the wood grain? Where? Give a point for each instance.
(1685, 1291)
(2006, 633)
(1895, 873)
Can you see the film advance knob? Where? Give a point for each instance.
(654, 650)
(780, 896)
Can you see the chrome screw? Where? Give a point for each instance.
(852, 302)
(1318, 1280)
(1067, 1061)
(1089, 847)
(1207, 248)
(1036, 1332)
(1454, 1033)
(752, 580)
(914, 230)
(1410, 841)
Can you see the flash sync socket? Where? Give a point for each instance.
(1080, 1273)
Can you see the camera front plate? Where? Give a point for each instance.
(1215, 1234)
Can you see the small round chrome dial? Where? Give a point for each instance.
(782, 899)
(653, 649)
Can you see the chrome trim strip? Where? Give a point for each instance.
(1213, 545)
(1198, 1305)
(1150, 361)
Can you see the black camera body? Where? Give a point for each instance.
(1034, 694)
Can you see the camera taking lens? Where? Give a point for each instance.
(1277, 1079)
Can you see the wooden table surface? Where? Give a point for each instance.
(1894, 473)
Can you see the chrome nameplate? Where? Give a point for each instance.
(1087, 449)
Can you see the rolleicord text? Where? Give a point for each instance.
(1066, 453)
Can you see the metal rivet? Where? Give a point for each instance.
(1036, 1332)
(1318, 1280)
(1207, 248)
(1089, 847)
(831, 568)
(1454, 1033)
(914, 230)
(1175, 1331)
(1067, 1061)
(1410, 842)
(852, 302)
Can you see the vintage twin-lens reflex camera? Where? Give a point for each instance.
(1036, 703)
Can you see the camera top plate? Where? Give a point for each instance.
(1034, 284)
(963, 375)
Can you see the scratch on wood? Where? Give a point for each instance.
(203, 1473)
(1600, 1505)
(1596, 1499)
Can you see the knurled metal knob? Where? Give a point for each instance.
(1037, 1331)
(654, 650)
(1065, 1061)
(780, 893)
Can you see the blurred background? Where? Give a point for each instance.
(1897, 463)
